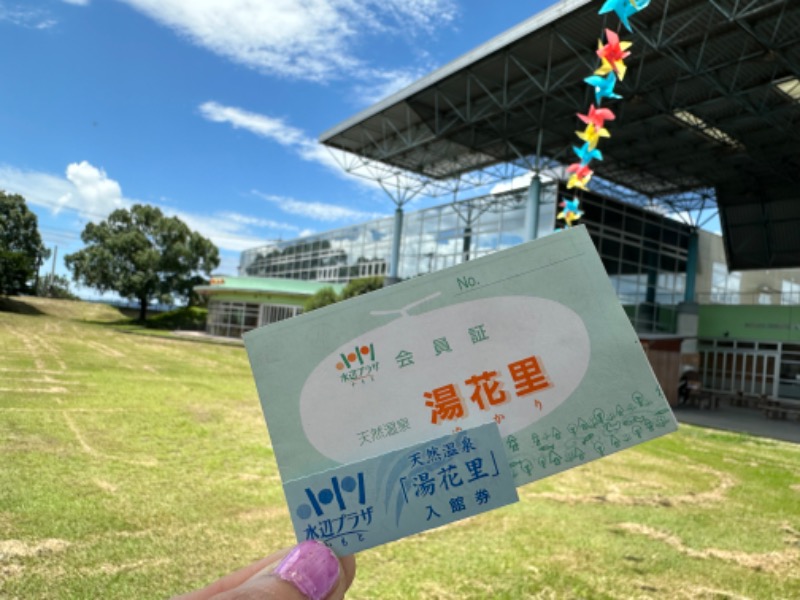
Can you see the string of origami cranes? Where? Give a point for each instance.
(612, 68)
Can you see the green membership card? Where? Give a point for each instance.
(432, 400)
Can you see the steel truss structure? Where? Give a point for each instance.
(711, 113)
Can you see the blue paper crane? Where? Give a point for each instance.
(586, 153)
(603, 86)
(624, 9)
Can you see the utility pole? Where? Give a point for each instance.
(38, 269)
(52, 272)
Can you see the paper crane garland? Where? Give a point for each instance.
(613, 55)
(603, 86)
(612, 68)
(624, 9)
(571, 212)
(587, 154)
(581, 174)
(597, 116)
(592, 135)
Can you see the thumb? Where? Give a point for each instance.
(310, 571)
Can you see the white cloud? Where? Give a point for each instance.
(268, 127)
(385, 84)
(90, 193)
(226, 234)
(85, 190)
(306, 147)
(77, 2)
(370, 174)
(318, 211)
(258, 222)
(40, 189)
(31, 18)
(94, 193)
(272, 129)
(313, 40)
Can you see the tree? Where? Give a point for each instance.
(21, 248)
(356, 287)
(54, 286)
(361, 286)
(143, 256)
(322, 298)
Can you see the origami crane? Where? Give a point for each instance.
(586, 153)
(613, 55)
(571, 211)
(592, 135)
(597, 116)
(624, 9)
(581, 174)
(603, 86)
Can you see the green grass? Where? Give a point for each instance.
(138, 467)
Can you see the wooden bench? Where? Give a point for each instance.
(746, 400)
(703, 399)
(739, 399)
(780, 409)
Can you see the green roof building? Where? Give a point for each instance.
(239, 304)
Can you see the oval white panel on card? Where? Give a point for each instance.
(510, 359)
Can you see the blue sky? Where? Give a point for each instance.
(210, 109)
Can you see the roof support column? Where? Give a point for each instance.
(397, 234)
(532, 208)
(691, 266)
(688, 318)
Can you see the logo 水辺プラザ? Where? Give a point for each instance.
(358, 364)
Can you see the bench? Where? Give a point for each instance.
(703, 399)
(743, 400)
(777, 409)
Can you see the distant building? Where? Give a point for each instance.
(738, 329)
(644, 253)
(239, 304)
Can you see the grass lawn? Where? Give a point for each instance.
(139, 466)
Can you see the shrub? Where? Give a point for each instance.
(191, 318)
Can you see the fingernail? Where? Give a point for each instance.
(312, 568)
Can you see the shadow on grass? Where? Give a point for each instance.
(18, 307)
(114, 323)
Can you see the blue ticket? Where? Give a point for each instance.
(388, 497)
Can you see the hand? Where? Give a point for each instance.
(309, 571)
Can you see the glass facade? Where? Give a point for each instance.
(232, 319)
(752, 368)
(432, 239)
(644, 253)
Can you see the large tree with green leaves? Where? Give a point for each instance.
(143, 255)
(21, 248)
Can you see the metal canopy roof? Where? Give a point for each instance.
(711, 100)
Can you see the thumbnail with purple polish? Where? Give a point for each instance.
(312, 568)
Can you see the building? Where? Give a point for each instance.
(725, 133)
(239, 304)
(743, 335)
(644, 253)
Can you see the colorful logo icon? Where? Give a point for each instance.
(359, 357)
(324, 497)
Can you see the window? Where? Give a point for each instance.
(328, 274)
(790, 292)
(274, 313)
(725, 286)
(233, 319)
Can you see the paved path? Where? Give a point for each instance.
(742, 420)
